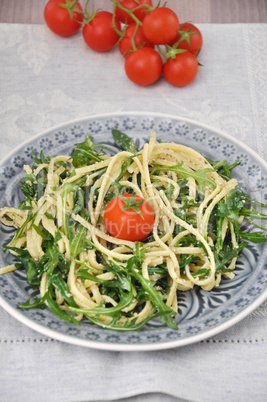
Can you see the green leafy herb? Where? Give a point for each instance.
(42, 159)
(201, 273)
(222, 168)
(21, 229)
(220, 216)
(66, 190)
(128, 161)
(153, 295)
(234, 204)
(124, 141)
(255, 237)
(186, 260)
(200, 176)
(38, 303)
(122, 284)
(85, 153)
(57, 310)
(252, 213)
(225, 256)
(61, 285)
(33, 269)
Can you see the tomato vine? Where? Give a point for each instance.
(136, 27)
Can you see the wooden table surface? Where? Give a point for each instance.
(202, 11)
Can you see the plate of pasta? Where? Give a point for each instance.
(132, 231)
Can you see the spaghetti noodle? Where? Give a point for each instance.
(84, 272)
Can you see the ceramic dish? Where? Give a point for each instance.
(201, 314)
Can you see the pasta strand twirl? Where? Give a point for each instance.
(84, 272)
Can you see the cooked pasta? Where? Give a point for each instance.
(82, 271)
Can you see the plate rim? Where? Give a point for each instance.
(131, 347)
(142, 113)
(134, 347)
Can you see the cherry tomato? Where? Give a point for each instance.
(144, 66)
(160, 26)
(182, 70)
(126, 45)
(130, 5)
(196, 40)
(128, 224)
(58, 19)
(99, 33)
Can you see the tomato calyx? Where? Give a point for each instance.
(172, 52)
(132, 204)
(70, 7)
(185, 35)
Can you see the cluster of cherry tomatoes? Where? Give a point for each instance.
(151, 39)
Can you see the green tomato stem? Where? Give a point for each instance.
(70, 6)
(89, 17)
(129, 12)
(162, 52)
(121, 34)
(133, 38)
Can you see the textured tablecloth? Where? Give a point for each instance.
(46, 80)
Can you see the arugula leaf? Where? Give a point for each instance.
(255, 237)
(130, 324)
(77, 244)
(125, 301)
(180, 212)
(85, 154)
(220, 214)
(33, 268)
(189, 240)
(84, 274)
(226, 255)
(234, 204)
(38, 303)
(42, 159)
(201, 273)
(28, 190)
(139, 254)
(78, 208)
(57, 310)
(159, 269)
(222, 168)
(128, 161)
(66, 190)
(42, 232)
(123, 285)
(186, 260)
(63, 288)
(169, 192)
(75, 231)
(33, 187)
(20, 231)
(153, 295)
(124, 141)
(252, 213)
(199, 176)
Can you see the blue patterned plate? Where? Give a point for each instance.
(201, 314)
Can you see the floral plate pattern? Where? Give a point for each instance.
(201, 314)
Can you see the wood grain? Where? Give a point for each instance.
(201, 11)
